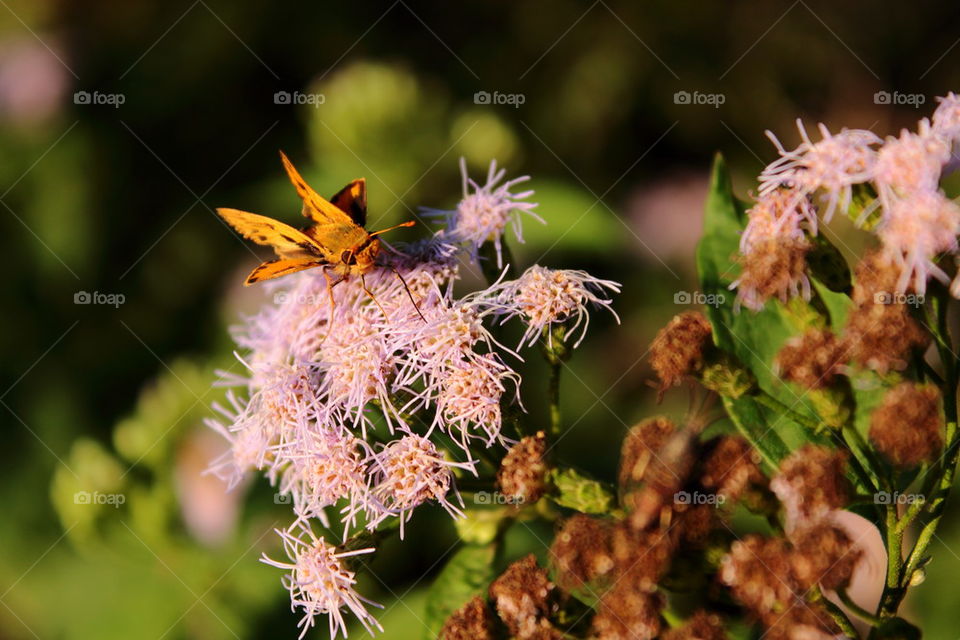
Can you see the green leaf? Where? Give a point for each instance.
(467, 574)
(838, 305)
(578, 492)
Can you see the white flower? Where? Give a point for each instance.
(544, 297)
(319, 583)
(483, 216)
(832, 166)
(408, 472)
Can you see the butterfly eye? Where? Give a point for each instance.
(347, 257)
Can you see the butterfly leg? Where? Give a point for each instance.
(363, 284)
(331, 283)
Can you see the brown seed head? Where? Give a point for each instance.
(880, 332)
(811, 483)
(811, 360)
(730, 467)
(702, 625)
(626, 613)
(581, 552)
(677, 350)
(773, 268)
(523, 597)
(522, 474)
(472, 621)
(823, 554)
(907, 427)
(757, 570)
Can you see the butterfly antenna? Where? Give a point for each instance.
(410, 295)
(408, 223)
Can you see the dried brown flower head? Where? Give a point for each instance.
(472, 621)
(811, 483)
(662, 472)
(581, 552)
(627, 613)
(880, 333)
(641, 446)
(522, 474)
(523, 598)
(823, 554)
(802, 621)
(811, 360)
(730, 467)
(702, 625)
(907, 427)
(677, 350)
(642, 557)
(757, 570)
(773, 268)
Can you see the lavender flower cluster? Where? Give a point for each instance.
(894, 185)
(364, 410)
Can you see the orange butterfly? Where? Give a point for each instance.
(336, 238)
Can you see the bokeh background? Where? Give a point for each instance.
(123, 124)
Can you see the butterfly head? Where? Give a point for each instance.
(360, 259)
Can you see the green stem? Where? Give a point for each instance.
(554, 395)
(837, 614)
(856, 609)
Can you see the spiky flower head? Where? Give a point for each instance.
(408, 472)
(910, 164)
(320, 583)
(544, 297)
(832, 166)
(484, 214)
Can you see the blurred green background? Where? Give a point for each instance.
(123, 124)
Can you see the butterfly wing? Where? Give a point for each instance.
(286, 241)
(281, 267)
(352, 199)
(314, 207)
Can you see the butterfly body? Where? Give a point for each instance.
(336, 239)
